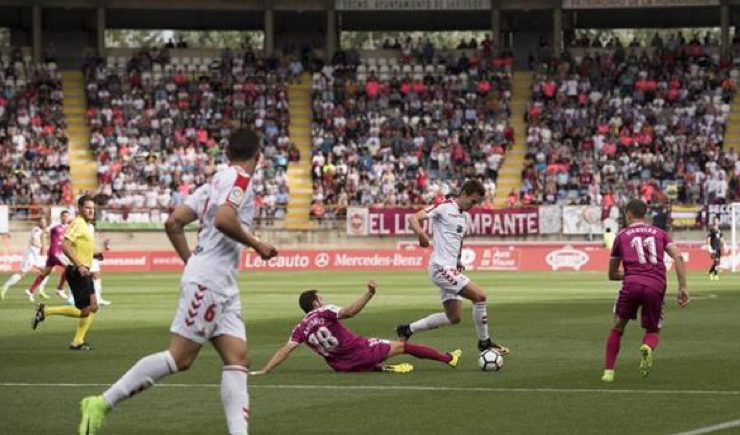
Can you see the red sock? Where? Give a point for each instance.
(612, 348)
(425, 352)
(651, 339)
(36, 283)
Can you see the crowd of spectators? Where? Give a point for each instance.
(160, 123)
(34, 158)
(630, 122)
(401, 131)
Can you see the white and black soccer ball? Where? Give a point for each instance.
(490, 361)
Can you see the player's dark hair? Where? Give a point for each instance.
(306, 300)
(472, 187)
(244, 144)
(83, 199)
(636, 208)
(63, 212)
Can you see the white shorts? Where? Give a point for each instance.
(32, 259)
(203, 314)
(95, 266)
(449, 281)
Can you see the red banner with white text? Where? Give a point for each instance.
(393, 221)
(408, 256)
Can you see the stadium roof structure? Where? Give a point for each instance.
(517, 24)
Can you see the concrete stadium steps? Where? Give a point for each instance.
(299, 173)
(509, 176)
(82, 165)
(732, 133)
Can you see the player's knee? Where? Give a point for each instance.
(183, 362)
(454, 318)
(479, 298)
(240, 360)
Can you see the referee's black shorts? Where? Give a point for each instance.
(82, 286)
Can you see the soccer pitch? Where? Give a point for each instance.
(554, 323)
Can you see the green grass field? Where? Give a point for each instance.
(555, 324)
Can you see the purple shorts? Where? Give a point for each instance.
(365, 358)
(52, 260)
(633, 296)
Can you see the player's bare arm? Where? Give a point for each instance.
(415, 221)
(175, 229)
(69, 251)
(614, 273)
(227, 222)
(278, 358)
(678, 263)
(357, 306)
(460, 266)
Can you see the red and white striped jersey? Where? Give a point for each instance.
(449, 225)
(215, 261)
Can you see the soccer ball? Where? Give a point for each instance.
(490, 361)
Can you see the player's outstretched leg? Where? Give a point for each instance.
(234, 390)
(400, 369)
(613, 343)
(137, 379)
(60, 286)
(649, 343)
(424, 352)
(431, 321)
(98, 285)
(14, 278)
(42, 287)
(477, 296)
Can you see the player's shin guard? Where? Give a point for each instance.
(141, 376)
(480, 320)
(235, 399)
(431, 321)
(82, 327)
(612, 349)
(425, 352)
(651, 339)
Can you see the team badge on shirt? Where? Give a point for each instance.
(459, 229)
(236, 195)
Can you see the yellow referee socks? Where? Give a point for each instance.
(82, 326)
(62, 310)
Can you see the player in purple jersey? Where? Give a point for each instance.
(55, 257)
(640, 249)
(344, 351)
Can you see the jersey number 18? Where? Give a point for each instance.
(323, 341)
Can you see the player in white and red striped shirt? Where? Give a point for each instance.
(449, 223)
(210, 308)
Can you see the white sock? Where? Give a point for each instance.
(141, 376)
(480, 320)
(430, 322)
(14, 278)
(43, 283)
(235, 398)
(98, 285)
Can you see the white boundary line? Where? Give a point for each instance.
(714, 428)
(413, 388)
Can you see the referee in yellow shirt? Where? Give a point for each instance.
(78, 246)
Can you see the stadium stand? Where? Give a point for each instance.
(398, 130)
(34, 162)
(160, 118)
(610, 122)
